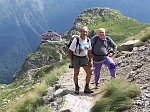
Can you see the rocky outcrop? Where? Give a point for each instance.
(88, 17)
(47, 54)
(134, 66)
(95, 16)
(127, 46)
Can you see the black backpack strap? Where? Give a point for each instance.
(94, 42)
(96, 38)
(88, 39)
(77, 43)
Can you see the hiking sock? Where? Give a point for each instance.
(96, 86)
(76, 85)
(77, 89)
(87, 85)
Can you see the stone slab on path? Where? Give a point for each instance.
(76, 104)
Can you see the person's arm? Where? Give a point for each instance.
(93, 42)
(113, 46)
(71, 49)
(90, 56)
(70, 55)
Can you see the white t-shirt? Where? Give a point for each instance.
(84, 47)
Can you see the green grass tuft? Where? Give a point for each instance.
(63, 93)
(139, 44)
(51, 80)
(145, 37)
(44, 109)
(118, 97)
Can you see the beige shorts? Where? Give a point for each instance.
(79, 61)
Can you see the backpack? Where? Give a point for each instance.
(77, 43)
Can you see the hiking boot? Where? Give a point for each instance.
(77, 89)
(96, 86)
(87, 90)
(112, 78)
(93, 81)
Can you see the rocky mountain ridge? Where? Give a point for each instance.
(47, 54)
(118, 26)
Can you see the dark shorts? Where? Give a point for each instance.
(79, 61)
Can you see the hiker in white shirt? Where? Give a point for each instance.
(80, 56)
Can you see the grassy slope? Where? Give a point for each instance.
(119, 27)
(23, 97)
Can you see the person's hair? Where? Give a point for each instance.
(84, 27)
(101, 29)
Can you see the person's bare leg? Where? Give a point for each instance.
(76, 73)
(88, 77)
(88, 73)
